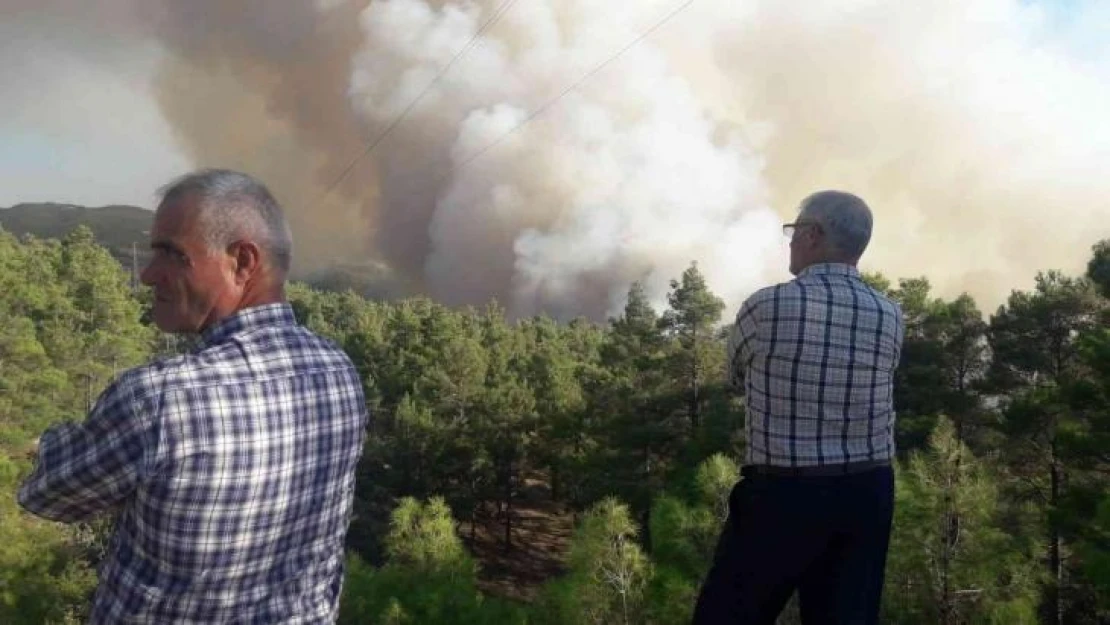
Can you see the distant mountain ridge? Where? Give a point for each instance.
(116, 227)
(119, 227)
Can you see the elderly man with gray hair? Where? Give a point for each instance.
(231, 467)
(815, 359)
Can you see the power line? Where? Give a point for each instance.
(505, 6)
(578, 83)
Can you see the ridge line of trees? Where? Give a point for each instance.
(1003, 432)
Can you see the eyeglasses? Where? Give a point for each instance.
(789, 229)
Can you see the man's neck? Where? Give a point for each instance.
(818, 263)
(251, 299)
(262, 295)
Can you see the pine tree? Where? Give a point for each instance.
(949, 560)
(692, 319)
(1034, 339)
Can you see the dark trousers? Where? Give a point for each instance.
(825, 537)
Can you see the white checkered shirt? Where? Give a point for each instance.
(232, 468)
(815, 358)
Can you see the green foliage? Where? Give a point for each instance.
(117, 228)
(1094, 551)
(684, 536)
(43, 577)
(1033, 335)
(671, 596)
(422, 537)
(715, 479)
(692, 322)
(1043, 360)
(944, 356)
(70, 324)
(1003, 426)
(608, 571)
(950, 560)
(429, 577)
(878, 281)
(1098, 269)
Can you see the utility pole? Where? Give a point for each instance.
(134, 268)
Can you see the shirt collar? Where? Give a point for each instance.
(279, 314)
(833, 269)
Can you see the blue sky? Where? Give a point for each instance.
(1082, 24)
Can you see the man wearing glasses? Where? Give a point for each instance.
(815, 359)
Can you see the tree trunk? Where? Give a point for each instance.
(645, 514)
(555, 485)
(952, 526)
(946, 608)
(509, 507)
(695, 416)
(961, 390)
(1055, 601)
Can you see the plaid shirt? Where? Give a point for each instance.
(232, 468)
(816, 358)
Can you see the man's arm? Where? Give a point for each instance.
(899, 336)
(85, 468)
(741, 341)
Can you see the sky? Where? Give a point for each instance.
(51, 151)
(103, 102)
(77, 127)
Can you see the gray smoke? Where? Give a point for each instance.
(975, 136)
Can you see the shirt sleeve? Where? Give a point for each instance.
(741, 342)
(89, 467)
(899, 336)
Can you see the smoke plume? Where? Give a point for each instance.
(974, 133)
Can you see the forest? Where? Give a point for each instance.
(539, 472)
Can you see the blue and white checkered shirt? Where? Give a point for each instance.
(815, 358)
(232, 468)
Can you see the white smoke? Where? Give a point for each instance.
(977, 145)
(975, 129)
(626, 178)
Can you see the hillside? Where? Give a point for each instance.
(530, 472)
(116, 227)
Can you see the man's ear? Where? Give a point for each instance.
(248, 260)
(816, 237)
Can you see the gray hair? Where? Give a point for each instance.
(845, 218)
(233, 205)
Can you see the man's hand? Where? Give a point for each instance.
(33, 449)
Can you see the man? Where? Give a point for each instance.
(232, 466)
(815, 358)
